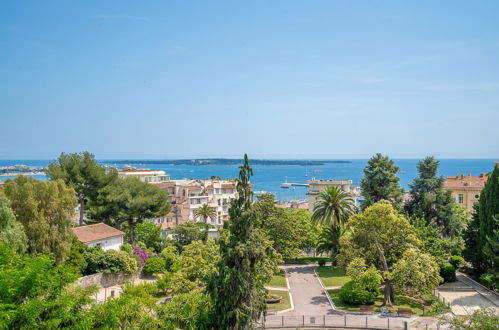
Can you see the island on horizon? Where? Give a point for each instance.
(227, 161)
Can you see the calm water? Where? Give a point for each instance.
(269, 178)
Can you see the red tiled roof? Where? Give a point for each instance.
(468, 181)
(96, 232)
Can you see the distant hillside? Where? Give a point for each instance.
(225, 161)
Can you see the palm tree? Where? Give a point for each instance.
(332, 207)
(205, 212)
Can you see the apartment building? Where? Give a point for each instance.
(189, 195)
(465, 189)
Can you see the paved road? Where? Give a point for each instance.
(307, 292)
(312, 308)
(466, 296)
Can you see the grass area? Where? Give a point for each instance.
(284, 303)
(278, 281)
(434, 306)
(306, 260)
(332, 276)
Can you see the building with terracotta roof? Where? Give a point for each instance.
(465, 189)
(100, 234)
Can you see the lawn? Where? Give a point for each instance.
(278, 281)
(284, 303)
(306, 260)
(332, 276)
(400, 302)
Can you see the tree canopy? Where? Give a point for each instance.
(11, 231)
(81, 172)
(332, 208)
(246, 265)
(382, 237)
(380, 181)
(131, 201)
(45, 210)
(430, 202)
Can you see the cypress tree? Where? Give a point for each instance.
(488, 212)
(247, 263)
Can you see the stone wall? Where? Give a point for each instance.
(105, 280)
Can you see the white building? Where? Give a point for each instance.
(150, 176)
(100, 234)
(316, 186)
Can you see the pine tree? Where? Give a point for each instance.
(380, 181)
(247, 262)
(431, 202)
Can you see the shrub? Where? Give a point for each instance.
(456, 261)
(141, 255)
(489, 280)
(352, 294)
(127, 248)
(154, 266)
(448, 273)
(119, 261)
(94, 260)
(322, 262)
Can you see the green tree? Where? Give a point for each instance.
(332, 208)
(472, 252)
(196, 263)
(186, 233)
(488, 213)
(247, 263)
(131, 201)
(34, 293)
(416, 273)
(324, 242)
(430, 202)
(45, 210)
(433, 243)
(81, 172)
(11, 231)
(483, 319)
(291, 231)
(205, 212)
(149, 234)
(380, 236)
(380, 181)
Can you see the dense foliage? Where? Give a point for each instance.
(246, 263)
(81, 172)
(385, 238)
(332, 208)
(11, 231)
(380, 181)
(430, 202)
(129, 201)
(45, 210)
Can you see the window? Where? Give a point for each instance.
(476, 196)
(460, 198)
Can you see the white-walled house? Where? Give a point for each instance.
(100, 234)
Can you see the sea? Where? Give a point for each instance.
(268, 178)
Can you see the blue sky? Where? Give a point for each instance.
(275, 79)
